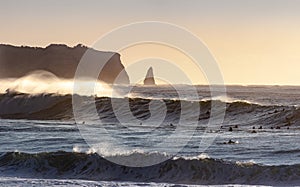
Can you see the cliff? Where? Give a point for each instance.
(61, 60)
(149, 79)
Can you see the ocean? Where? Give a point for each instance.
(152, 136)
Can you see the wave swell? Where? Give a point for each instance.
(59, 107)
(70, 165)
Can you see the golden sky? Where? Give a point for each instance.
(253, 41)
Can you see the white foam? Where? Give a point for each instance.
(77, 149)
(227, 99)
(28, 182)
(202, 156)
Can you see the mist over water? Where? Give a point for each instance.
(40, 81)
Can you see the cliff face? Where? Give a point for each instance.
(61, 60)
(149, 79)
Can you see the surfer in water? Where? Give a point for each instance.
(231, 142)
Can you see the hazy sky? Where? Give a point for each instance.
(254, 41)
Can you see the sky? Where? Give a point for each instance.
(253, 41)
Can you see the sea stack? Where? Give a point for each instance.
(149, 79)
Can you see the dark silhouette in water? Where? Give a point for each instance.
(260, 127)
(230, 129)
(230, 142)
(61, 60)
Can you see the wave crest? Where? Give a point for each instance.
(59, 107)
(190, 171)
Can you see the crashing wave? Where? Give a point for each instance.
(61, 165)
(59, 107)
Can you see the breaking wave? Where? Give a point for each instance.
(59, 107)
(201, 170)
(40, 82)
